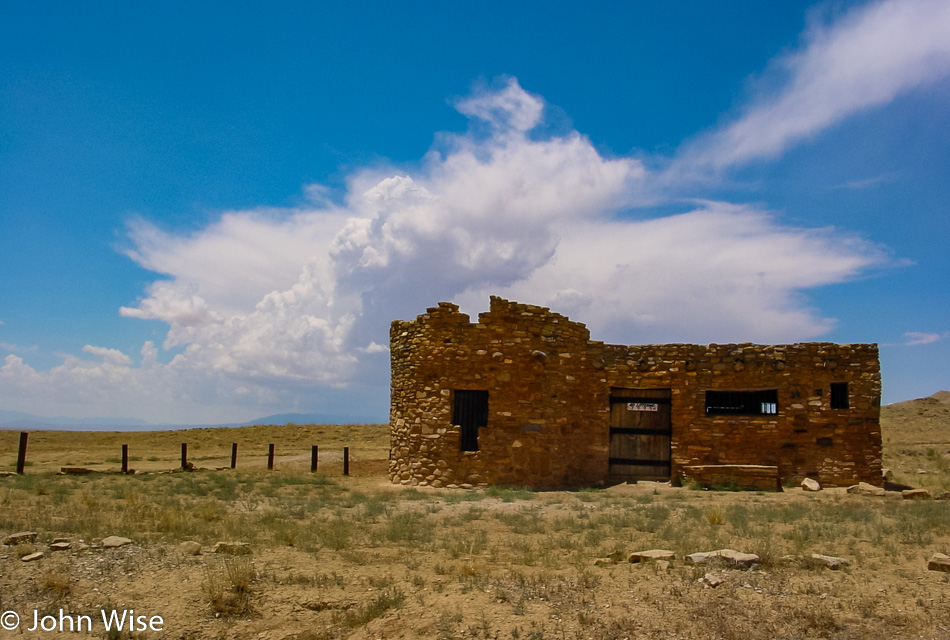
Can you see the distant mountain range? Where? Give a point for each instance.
(26, 422)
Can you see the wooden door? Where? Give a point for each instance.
(640, 432)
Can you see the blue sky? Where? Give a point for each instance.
(212, 211)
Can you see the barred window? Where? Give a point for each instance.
(839, 395)
(742, 403)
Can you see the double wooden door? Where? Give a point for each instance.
(640, 434)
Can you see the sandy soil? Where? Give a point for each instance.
(512, 565)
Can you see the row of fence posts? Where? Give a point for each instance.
(314, 456)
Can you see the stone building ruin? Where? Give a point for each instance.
(524, 397)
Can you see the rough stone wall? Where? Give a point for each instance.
(544, 407)
(549, 387)
(806, 438)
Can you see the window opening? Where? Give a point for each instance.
(743, 403)
(470, 412)
(839, 395)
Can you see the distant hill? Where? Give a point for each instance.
(942, 396)
(920, 421)
(312, 418)
(20, 420)
(17, 420)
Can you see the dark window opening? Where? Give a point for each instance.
(742, 403)
(839, 395)
(470, 412)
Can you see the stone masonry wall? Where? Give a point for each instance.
(549, 387)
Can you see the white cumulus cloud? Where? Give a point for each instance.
(268, 297)
(872, 55)
(289, 308)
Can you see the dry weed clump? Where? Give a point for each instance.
(57, 582)
(227, 586)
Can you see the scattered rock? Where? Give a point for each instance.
(190, 548)
(830, 561)
(810, 484)
(662, 565)
(941, 495)
(731, 556)
(75, 471)
(60, 546)
(865, 489)
(916, 494)
(613, 558)
(887, 473)
(232, 548)
(652, 554)
(727, 556)
(939, 562)
(20, 538)
(33, 556)
(7, 474)
(713, 580)
(701, 557)
(115, 541)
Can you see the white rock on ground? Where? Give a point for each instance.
(830, 561)
(810, 484)
(232, 548)
(939, 562)
(190, 548)
(652, 554)
(865, 489)
(20, 538)
(728, 556)
(115, 541)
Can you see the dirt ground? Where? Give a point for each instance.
(357, 557)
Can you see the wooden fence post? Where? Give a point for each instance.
(346, 461)
(125, 458)
(314, 453)
(270, 457)
(234, 455)
(184, 455)
(21, 455)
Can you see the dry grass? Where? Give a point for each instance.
(161, 450)
(917, 442)
(227, 586)
(356, 557)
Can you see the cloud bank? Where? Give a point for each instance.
(288, 309)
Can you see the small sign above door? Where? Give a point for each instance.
(642, 406)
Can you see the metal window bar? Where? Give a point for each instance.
(747, 403)
(839, 395)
